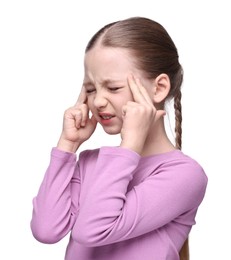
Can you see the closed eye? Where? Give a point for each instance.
(114, 89)
(89, 91)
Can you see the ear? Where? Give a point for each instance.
(162, 87)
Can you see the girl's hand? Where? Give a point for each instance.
(138, 117)
(77, 126)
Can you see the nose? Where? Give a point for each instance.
(100, 101)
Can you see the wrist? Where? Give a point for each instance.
(67, 146)
(132, 146)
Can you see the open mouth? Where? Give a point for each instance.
(106, 117)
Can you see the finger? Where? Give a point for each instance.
(139, 93)
(124, 109)
(85, 114)
(82, 97)
(143, 91)
(78, 118)
(135, 90)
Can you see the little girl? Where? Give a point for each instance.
(138, 200)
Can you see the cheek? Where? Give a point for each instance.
(120, 103)
(127, 96)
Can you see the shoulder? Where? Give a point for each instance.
(191, 168)
(186, 167)
(186, 177)
(181, 173)
(189, 175)
(177, 161)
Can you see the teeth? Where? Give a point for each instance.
(106, 117)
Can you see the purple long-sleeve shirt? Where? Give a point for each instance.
(118, 205)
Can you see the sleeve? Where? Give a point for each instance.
(56, 205)
(109, 214)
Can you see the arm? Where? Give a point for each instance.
(56, 205)
(110, 213)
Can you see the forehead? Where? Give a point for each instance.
(107, 54)
(108, 62)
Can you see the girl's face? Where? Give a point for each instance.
(105, 81)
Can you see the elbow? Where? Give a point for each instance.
(44, 234)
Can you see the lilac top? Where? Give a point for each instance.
(117, 204)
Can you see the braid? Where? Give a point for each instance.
(178, 119)
(184, 252)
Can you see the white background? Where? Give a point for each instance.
(41, 55)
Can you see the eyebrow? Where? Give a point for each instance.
(104, 82)
(87, 84)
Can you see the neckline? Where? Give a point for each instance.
(161, 155)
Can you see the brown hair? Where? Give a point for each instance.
(154, 53)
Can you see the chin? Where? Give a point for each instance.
(112, 131)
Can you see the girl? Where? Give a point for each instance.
(138, 200)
